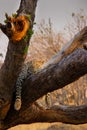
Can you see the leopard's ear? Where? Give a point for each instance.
(7, 17)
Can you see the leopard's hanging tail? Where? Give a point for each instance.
(18, 102)
(17, 105)
(22, 76)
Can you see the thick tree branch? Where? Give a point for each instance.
(66, 114)
(56, 76)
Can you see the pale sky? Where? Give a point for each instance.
(58, 10)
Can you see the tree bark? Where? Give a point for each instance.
(64, 68)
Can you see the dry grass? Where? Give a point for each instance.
(50, 126)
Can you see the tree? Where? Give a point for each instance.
(65, 67)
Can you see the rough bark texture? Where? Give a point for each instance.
(67, 66)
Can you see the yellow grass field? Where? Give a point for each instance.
(50, 126)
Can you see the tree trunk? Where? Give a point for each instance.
(14, 59)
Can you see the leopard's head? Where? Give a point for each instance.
(16, 28)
